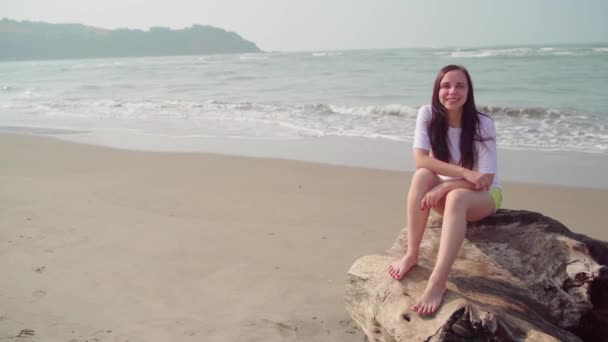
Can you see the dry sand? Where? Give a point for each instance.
(108, 245)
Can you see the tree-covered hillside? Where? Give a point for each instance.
(21, 40)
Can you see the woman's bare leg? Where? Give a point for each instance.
(422, 181)
(461, 205)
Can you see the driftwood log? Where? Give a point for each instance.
(519, 276)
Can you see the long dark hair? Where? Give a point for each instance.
(438, 126)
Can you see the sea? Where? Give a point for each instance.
(542, 98)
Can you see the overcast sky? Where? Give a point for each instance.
(343, 24)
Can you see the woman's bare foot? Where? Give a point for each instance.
(430, 300)
(400, 267)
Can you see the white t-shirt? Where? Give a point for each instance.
(486, 151)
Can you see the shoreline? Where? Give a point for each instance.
(400, 167)
(317, 153)
(560, 168)
(184, 246)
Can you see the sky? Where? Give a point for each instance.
(304, 25)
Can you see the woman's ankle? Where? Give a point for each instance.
(437, 281)
(411, 255)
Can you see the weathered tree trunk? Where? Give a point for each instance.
(519, 276)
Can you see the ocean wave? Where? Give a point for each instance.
(253, 57)
(28, 93)
(325, 54)
(320, 109)
(520, 52)
(566, 53)
(537, 113)
(491, 53)
(518, 127)
(91, 66)
(391, 110)
(549, 129)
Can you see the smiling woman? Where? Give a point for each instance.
(453, 93)
(456, 176)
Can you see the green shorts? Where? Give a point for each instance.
(497, 196)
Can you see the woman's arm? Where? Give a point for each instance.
(478, 180)
(487, 157)
(423, 160)
(433, 196)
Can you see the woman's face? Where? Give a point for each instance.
(453, 90)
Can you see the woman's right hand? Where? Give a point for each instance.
(479, 180)
(433, 196)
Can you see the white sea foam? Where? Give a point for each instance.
(521, 52)
(540, 128)
(28, 93)
(492, 53)
(565, 53)
(471, 54)
(253, 57)
(325, 54)
(373, 94)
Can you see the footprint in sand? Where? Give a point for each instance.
(285, 329)
(349, 325)
(37, 295)
(25, 333)
(97, 336)
(190, 332)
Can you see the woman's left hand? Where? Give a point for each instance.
(479, 180)
(433, 196)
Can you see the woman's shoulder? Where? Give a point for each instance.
(426, 111)
(426, 108)
(486, 123)
(485, 119)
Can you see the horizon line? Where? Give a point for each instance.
(339, 49)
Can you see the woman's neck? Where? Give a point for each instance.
(455, 118)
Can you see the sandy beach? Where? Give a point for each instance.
(100, 244)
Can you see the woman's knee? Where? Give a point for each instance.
(475, 205)
(457, 199)
(425, 177)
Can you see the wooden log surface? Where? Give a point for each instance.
(519, 276)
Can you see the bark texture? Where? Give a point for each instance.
(519, 276)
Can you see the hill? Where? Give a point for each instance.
(22, 40)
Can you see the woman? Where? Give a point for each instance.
(456, 175)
